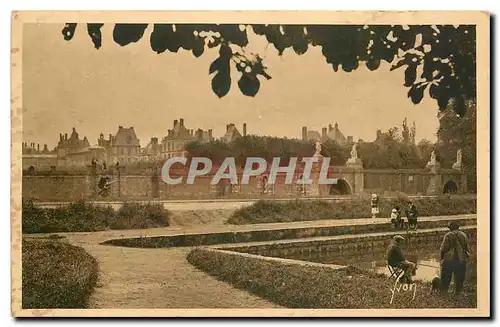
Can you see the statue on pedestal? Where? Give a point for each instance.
(433, 158)
(354, 152)
(458, 163)
(318, 149)
(434, 186)
(354, 161)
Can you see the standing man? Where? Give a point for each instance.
(454, 256)
(375, 208)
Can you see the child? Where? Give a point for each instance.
(375, 208)
(394, 218)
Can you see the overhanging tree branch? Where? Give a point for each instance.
(440, 59)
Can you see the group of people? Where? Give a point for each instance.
(396, 218)
(454, 254)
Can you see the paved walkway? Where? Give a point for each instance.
(97, 237)
(162, 278)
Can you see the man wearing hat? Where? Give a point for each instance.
(454, 255)
(395, 258)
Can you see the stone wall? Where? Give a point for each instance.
(146, 184)
(348, 245)
(294, 234)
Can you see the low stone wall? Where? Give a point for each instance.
(268, 235)
(348, 244)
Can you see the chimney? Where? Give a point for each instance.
(175, 122)
(210, 133)
(154, 140)
(379, 134)
(304, 133)
(336, 126)
(65, 136)
(110, 136)
(60, 137)
(38, 147)
(330, 127)
(323, 132)
(181, 121)
(45, 148)
(244, 129)
(120, 127)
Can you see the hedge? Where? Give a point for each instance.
(299, 210)
(312, 287)
(56, 275)
(86, 217)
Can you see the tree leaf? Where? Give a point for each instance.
(410, 75)
(349, 64)
(94, 31)
(124, 34)
(249, 84)
(198, 47)
(372, 63)
(300, 47)
(69, 30)
(434, 91)
(416, 92)
(214, 66)
(163, 38)
(232, 33)
(221, 83)
(400, 63)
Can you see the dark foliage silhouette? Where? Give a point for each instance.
(439, 59)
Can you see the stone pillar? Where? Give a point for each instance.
(357, 164)
(462, 188)
(313, 189)
(435, 186)
(463, 183)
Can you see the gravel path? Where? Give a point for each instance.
(160, 278)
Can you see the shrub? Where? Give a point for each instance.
(137, 215)
(300, 286)
(86, 217)
(56, 275)
(272, 212)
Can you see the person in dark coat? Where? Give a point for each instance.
(395, 258)
(454, 255)
(412, 215)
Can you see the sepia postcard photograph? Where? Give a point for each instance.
(250, 164)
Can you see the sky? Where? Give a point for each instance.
(71, 84)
